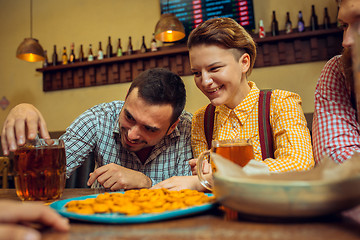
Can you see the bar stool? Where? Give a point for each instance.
(4, 170)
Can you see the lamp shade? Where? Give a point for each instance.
(30, 50)
(169, 28)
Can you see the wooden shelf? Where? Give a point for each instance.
(272, 51)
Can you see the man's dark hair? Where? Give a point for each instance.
(161, 86)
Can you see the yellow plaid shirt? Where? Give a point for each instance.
(292, 141)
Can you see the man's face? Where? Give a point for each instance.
(349, 15)
(142, 124)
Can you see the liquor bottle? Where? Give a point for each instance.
(301, 24)
(326, 19)
(64, 57)
(81, 54)
(90, 55)
(153, 44)
(119, 51)
(313, 19)
(143, 46)
(46, 61)
(274, 25)
(262, 33)
(100, 55)
(54, 57)
(130, 47)
(109, 48)
(72, 54)
(288, 24)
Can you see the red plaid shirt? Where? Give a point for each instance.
(335, 128)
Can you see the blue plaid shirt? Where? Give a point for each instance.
(97, 131)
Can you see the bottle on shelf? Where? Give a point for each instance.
(81, 53)
(143, 48)
(313, 19)
(119, 51)
(90, 55)
(288, 24)
(262, 33)
(46, 61)
(64, 57)
(100, 55)
(326, 19)
(54, 57)
(109, 50)
(274, 25)
(130, 47)
(153, 44)
(72, 54)
(301, 24)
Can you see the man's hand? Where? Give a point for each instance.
(206, 166)
(180, 182)
(15, 214)
(23, 119)
(115, 177)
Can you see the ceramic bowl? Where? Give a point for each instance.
(287, 198)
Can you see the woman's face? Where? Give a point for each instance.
(219, 75)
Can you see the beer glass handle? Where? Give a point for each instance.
(200, 174)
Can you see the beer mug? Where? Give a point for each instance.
(239, 151)
(40, 167)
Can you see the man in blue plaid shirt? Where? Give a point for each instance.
(137, 143)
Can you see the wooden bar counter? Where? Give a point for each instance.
(206, 225)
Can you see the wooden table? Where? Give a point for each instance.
(208, 225)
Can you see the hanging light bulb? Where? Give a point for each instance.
(169, 28)
(30, 50)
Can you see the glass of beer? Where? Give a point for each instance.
(40, 168)
(239, 151)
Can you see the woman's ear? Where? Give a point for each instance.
(245, 62)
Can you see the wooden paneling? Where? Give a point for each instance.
(284, 49)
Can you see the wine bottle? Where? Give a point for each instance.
(81, 54)
(143, 48)
(326, 19)
(262, 33)
(72, 54)
(100, 55)
(90, 55)
(153, 44)
(288, 24)
(109, 48)
(130, 47)
(274, 25)
(46, 61)
(313, 19)
(301, 24)
(54, 57)
(119, 51)
(64, 57)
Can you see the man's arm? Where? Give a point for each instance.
(335, 128)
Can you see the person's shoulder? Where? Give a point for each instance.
(279, 95)
(200, 111)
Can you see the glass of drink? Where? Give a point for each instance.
(239, 151)
(40, 168)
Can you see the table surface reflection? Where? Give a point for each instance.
(207, 225)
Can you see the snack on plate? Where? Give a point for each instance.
(134, 202)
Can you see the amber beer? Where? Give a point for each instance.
(40, 170)
(239, 153)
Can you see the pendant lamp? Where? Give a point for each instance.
(169, 28)
(30, 50)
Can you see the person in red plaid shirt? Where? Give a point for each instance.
(336, 131)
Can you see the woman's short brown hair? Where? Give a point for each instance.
(227, 33)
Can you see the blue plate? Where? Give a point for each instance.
(59, 206)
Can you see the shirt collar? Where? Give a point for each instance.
(243, 110)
